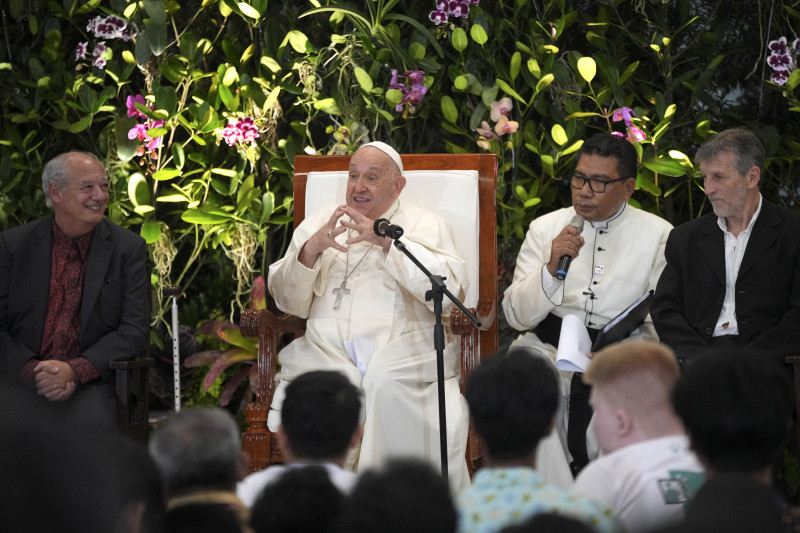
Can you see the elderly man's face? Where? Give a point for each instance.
(81, 204)
(727, 188)
(374, 182)
(599, 206)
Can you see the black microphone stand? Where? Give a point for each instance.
(438, 289)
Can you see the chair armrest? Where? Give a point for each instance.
(257, 441)
(142, 362)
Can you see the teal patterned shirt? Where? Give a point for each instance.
(503, 496)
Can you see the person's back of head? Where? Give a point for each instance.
(633, 380)
(512, 401)
(734, 503)
(198, 449)
(302, 499)
(320, 415)
(549, 523)
(58, 479)
(737, 410)
(407, 495)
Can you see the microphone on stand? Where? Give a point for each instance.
(383, 228)
(565, 260)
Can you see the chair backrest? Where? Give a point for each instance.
(458, 187)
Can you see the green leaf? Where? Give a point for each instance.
(82, 124)
(297, 40)
(574, 147)
(126, 148)
(478, 34)
(142, 49)
(156, 36)
(546, 80)
(364, 80)
(227, 172)
(506, 88)
(267, 206)
(204, 215)
(394, 97)
(230, 76)
(449, 109)
(559, 135)
(534, 68)
(151, 231)
(513, 68)
(665, 166)
(249, 10)
(460, 82)
(416, 51)
(166, 174)
(459, 39)
(138, 191)
(793, 80)
(156, 11)
(143, 210)
(271, 64)
(587, 68)
(178, 155)
(172, 198)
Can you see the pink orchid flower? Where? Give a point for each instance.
(501, 108)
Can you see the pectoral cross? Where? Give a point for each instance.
(340, 291)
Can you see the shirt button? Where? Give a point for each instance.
(709, 331)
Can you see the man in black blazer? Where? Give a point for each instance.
(73, 296)
(732, 278)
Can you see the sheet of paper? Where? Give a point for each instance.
(573, 345)
(360, 350)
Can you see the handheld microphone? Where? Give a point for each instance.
(565, 260)
(383, 228)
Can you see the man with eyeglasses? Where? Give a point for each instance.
(616, 259)
(73, 298)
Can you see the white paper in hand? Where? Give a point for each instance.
(359, 350)
(573, 345)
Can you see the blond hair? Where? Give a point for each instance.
(636, 375)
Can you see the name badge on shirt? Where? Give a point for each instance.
(599, 269)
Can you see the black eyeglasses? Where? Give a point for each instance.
(596, 185)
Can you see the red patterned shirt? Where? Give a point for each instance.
(62, 324)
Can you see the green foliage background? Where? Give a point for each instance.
(314, 75)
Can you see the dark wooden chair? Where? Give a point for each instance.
(459, 187)
(133, 397)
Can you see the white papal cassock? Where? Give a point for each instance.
(385, 316)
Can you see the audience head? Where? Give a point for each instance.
(734, 503)
(301, 500)
(549, 523)
(512, 401)
(737, 410)
(198, 449)
(320, 416)
(76, 187)
(609, 164)
(375, 179)
(62, 480)
(631, 386)
(406, 495)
